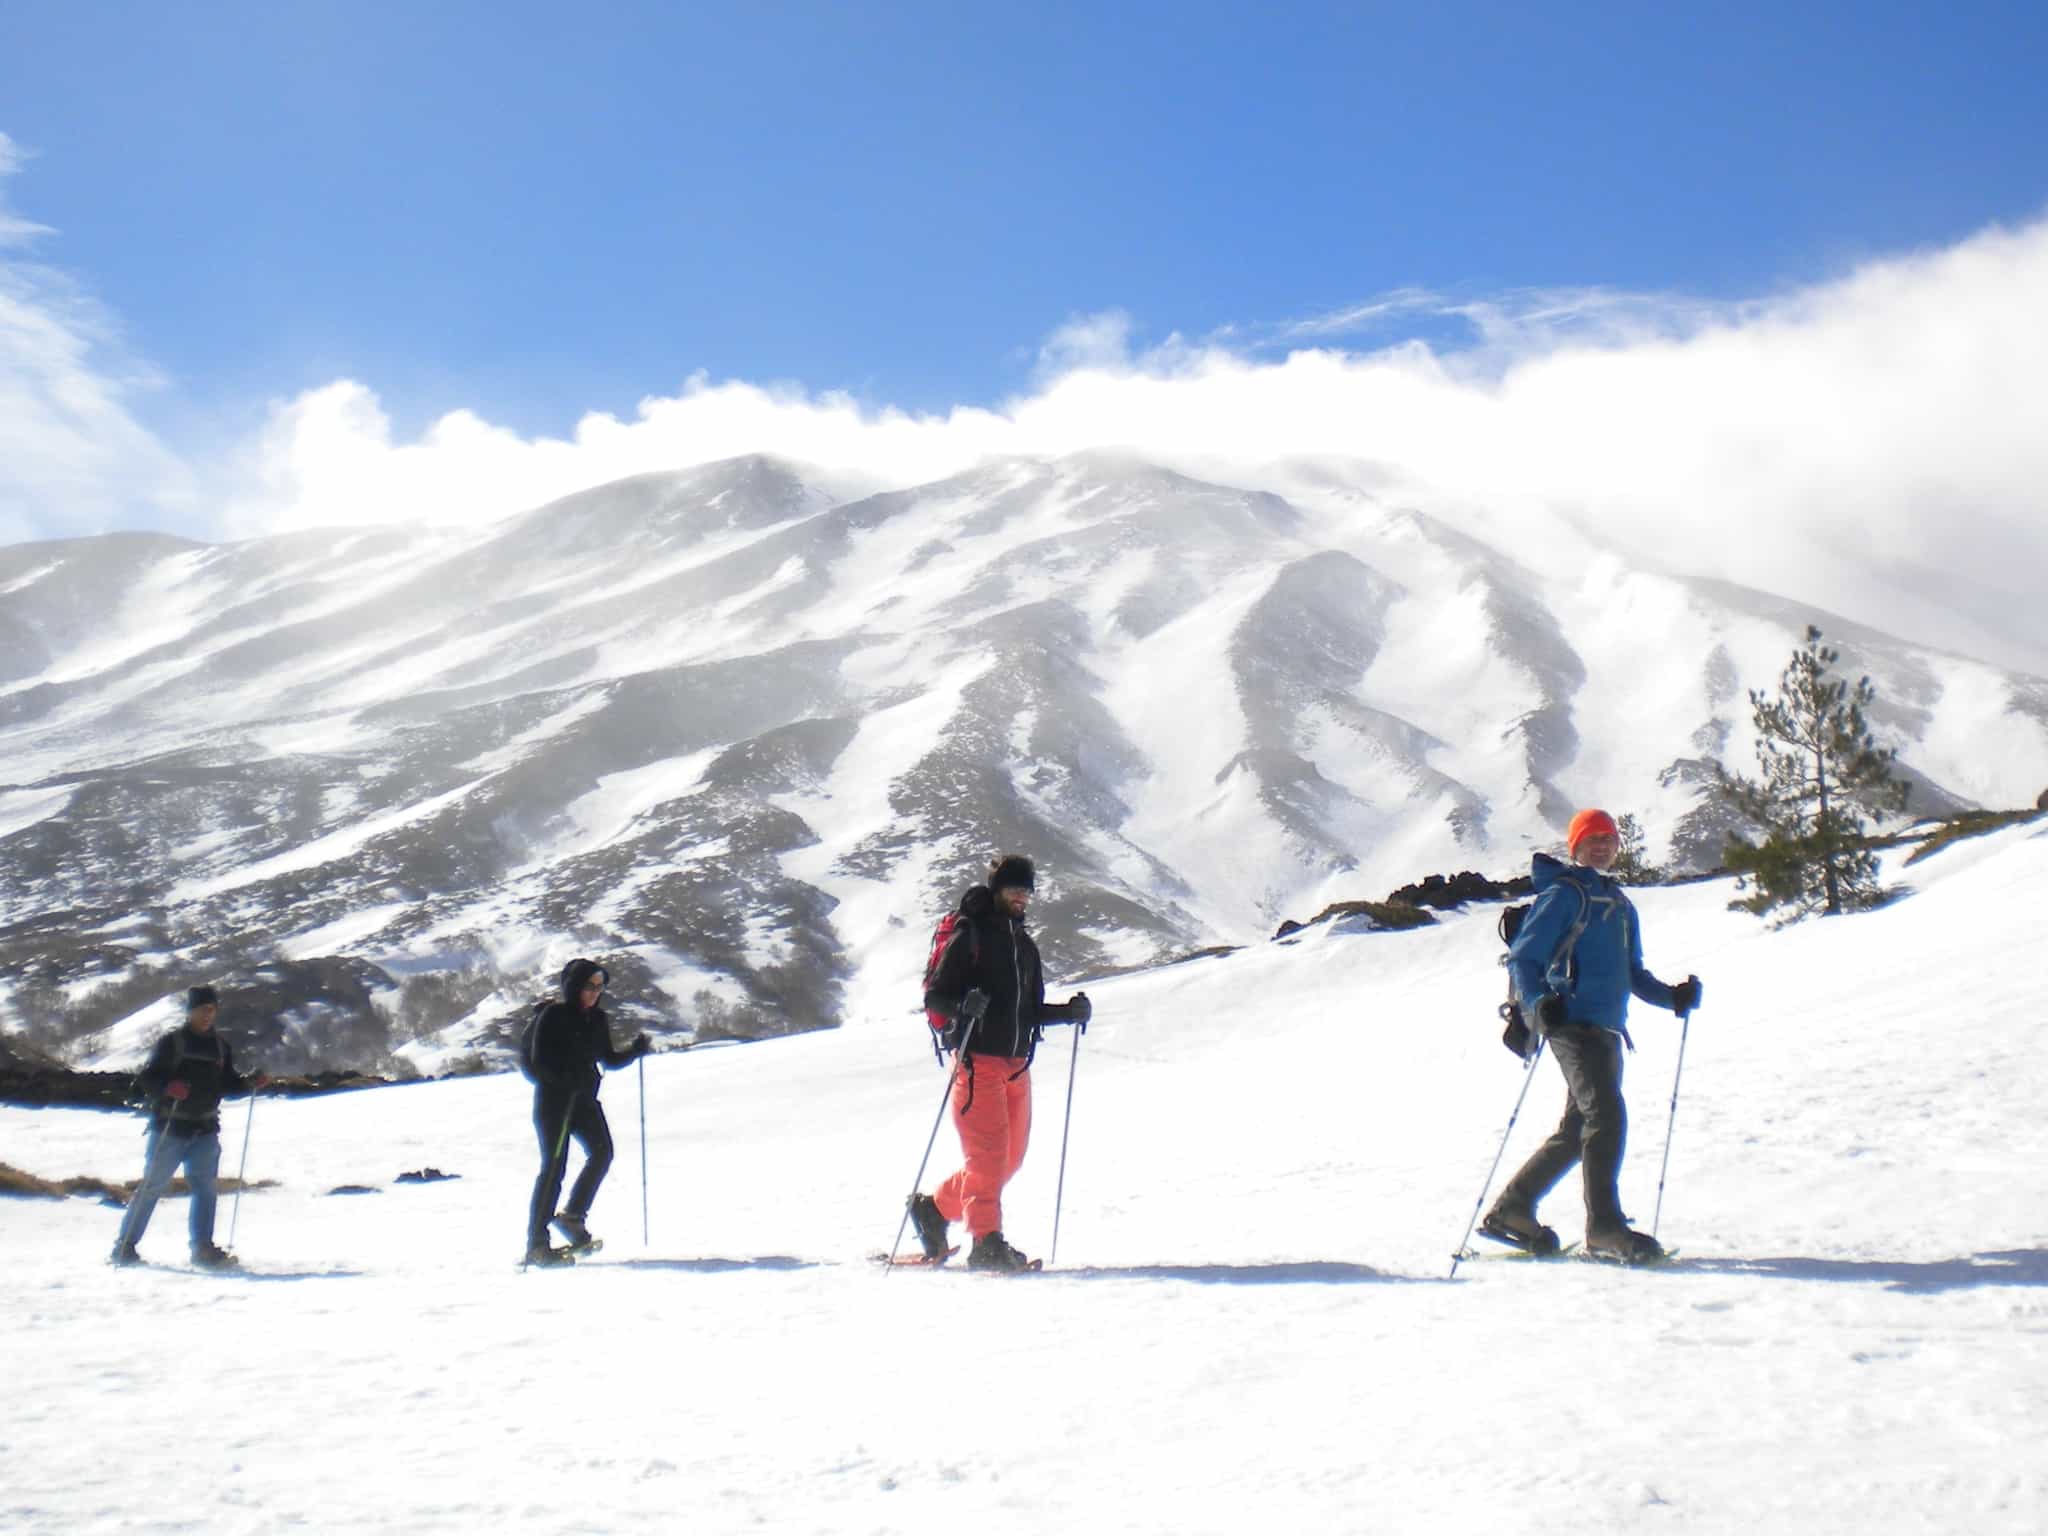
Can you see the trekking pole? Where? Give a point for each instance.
(235, 1212)
(562, 1137)
(556, 1162)
(1528, 1076)
(643, 1151)
(1684, 1029)
(933, 1140)
(1060, 1189)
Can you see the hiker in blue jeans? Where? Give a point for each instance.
(187, 1075)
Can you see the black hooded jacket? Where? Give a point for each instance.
(204, 1064)
(992, 951)
(569, 1043)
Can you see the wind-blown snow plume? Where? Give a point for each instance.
(1873, 443)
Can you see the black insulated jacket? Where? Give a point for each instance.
(204, 1064)
(569, 1043)
(991, 951)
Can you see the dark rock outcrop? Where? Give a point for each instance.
(1363, 917)
(1446, 893)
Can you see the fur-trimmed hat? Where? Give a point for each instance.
(1012, 870)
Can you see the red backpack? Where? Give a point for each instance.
(945, 1032)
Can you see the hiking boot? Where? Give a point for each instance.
(1624, 1244)
(211, 1256)
(542, 1254)
(990, 1251)
(124, 1255)
(1517, 1226)
(570, 1225)
(931, 1226)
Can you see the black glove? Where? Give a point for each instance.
(643, 1045)
(972, 1007)
(1685, 996)
(1550, 1012)
(1079, 1009)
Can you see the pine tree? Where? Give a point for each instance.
(1632, 864)
(1822, 775)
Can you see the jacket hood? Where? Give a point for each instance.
(1546, 870)
(577, 972)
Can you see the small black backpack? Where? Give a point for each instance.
(529, 1041)
(1521, 1036)
(1517, 1036)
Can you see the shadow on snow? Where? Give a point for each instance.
(2016, 1266)
(260, 1274)
(710, 1266)
(1302, 1272)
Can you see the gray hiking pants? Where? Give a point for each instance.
(1593, 1132)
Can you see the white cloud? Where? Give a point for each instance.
(73, 458)
(14, 229)
(1876, 443)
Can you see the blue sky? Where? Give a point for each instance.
(533, 211)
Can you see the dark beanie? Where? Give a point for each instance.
(199, 997)
(1011, 869)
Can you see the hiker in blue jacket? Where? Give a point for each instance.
(1575, 964)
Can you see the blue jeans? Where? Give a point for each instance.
(168, 1150)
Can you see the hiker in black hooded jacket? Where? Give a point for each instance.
(571, 1037)
(990, 983)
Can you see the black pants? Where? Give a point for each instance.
(1593, 1132)
(584, 1118)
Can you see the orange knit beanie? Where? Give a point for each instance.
(1589, 824)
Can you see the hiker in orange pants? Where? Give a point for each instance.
(986, 987)
(992, 1113)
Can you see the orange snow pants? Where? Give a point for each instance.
(992, 1112)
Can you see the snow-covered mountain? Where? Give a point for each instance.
(746, 740)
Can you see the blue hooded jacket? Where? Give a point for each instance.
(1606, 964)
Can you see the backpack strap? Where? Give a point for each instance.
(1560, 964)
(182, 1052)
(1564, 958)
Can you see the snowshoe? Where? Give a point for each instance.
(577, 1235)
(1623, 1245)
(1519, 1229)
(543, 1256)
(992, 1253)
(931, 1228)
(124, 1256)
(915, 1260)
(211, 1256)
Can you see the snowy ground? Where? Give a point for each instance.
(1249, 1327)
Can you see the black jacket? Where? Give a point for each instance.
(993, 951)
(205, 1064)
(569, 1043)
